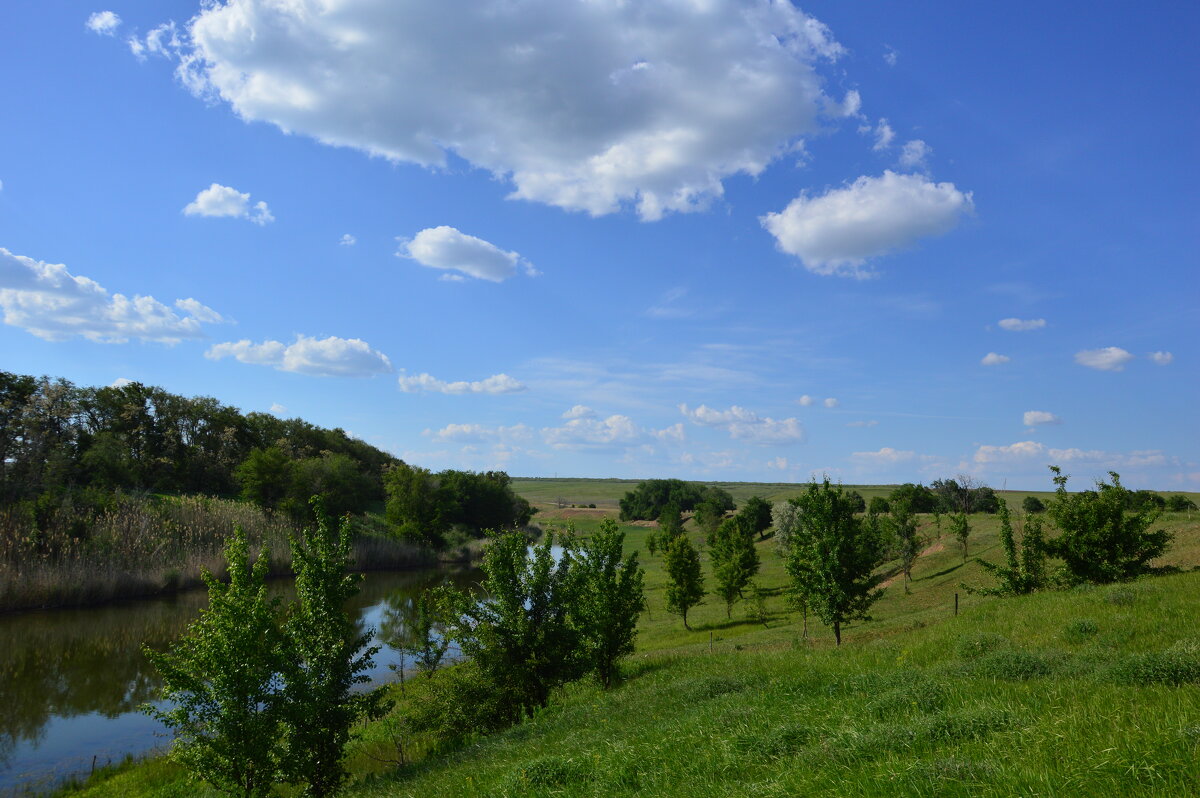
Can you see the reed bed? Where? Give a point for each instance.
(137, 546)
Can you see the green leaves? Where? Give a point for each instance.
(685, 584)
(610, 599)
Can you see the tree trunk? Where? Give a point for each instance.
(837, 631)
(805, 610)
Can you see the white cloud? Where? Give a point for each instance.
(103, 22)
(993, 359)
(778, 463)
(668, 307)
(746, 425)
(852, 104)
(1110, 358)
(890, 55)
(495, 384)
(447, 248)
(1023, 450)
(348, 240)
(1021, 325)
(616, 429)
(870, 423)
(218, 200)
(914, 154)
(885, 456)
(1034, 418)
(579, 411)
(120, 382)
(1161, 358)
(583, 105)
(1032, 451)
(831, 402)
(478, 432)
(322, 357)
(277, 409)
(837, 232)
(805, 401)
(50, 302)
(884, 135)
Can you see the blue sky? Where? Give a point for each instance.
(704, 239)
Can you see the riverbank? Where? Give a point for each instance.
(139, 547)
(1068, 693)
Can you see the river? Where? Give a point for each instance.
(72, 680)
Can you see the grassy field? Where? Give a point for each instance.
(1059, 694)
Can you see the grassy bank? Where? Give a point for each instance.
(1059, 693)
(137, 546)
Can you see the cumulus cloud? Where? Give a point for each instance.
(890, 55)
(277, 409)
(579, 411)
(591, 432)
(479, 432)
(805, 401)
(1110, 358)
(885, 456)
(585, 106)
(1022, 450)
(837, 232)
(993, 359)
(1161, 358)
(1036, 418)
(348, 240)
(746, 425)
(1032, 451)
(47, 300)
(322, 357)
(120, 382)
(218, 200)
(447, 248)
(1021, 325)
(426, 383)
(831, 402)
(103, 22)
(915, 154)
(884, 135)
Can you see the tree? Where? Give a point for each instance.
(833, 557)
(920, 498)
(670, 522)
(611, 597)
(266, 477)
(708, 516)
(646, 501)
(755, 515)
(1099, 540)
(523, 640)
(734, 561)
(1032, 505)
(411, 629)
(685, 583)
(785, 517)
(1022, 575)
(222, 680)
(1180, 504)
(961, 530)
(327, 659)
(879, 506)
(857, 501)
(908, 542)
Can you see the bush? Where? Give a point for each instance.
(1176, 666)
(1080, 630)
(1032, 505)
(1010, 665)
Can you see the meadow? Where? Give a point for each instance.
(1089, 691)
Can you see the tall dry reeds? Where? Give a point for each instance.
(141, 546)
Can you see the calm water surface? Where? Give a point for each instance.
(71, 680)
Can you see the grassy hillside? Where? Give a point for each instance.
(1060, 693)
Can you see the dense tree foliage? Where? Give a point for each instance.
(56, 438)
(833, 556)
(685, 583)
(1180, 504)
(647, 500)
(734, 560)
(610, 599)
(1100, 540)
(426, 508)
(906, 540)
(879, 506)
(964, 494)
(920, 498)
(755, 516)
(1032, 505)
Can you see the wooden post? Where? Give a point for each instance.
(956, 604)
(710, 642)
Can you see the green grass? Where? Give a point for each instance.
(1093, 691)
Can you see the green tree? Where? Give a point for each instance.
(222, 682)
(755, 515)
(734, 561)
(1099, 540)
(708, 516)
(1180, 504)
(907, 541)
(1019, 574)
(961, 530)
(670, 522)
(834, 554)
(523, 640)
(785, 517)
(1032, 505)
(328, 657)
(879, 506)
(611, 597)
(920, 498)
(266, 477)
(685, 583)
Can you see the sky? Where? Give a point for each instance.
(705, 239)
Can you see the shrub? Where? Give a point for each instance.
(1176, 666)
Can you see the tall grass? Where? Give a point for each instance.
(134, 546)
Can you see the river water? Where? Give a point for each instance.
(72, 680)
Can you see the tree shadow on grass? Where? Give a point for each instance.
(942, 572)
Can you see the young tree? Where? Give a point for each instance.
(1019, 575)
(1100, 541)
(879, 506)
(1032, 505)
(685, 584)
(961, 530)
(266, 477)
(222, 682)
(785, 517)
(708, 516)
(908, 542)
(734, 561)
(833, 557)
(755, 516)
(611, 597)
(670, 522)
(327, 659)
(524, 640)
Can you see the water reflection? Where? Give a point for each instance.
(71, 680)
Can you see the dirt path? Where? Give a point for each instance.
(933, 548)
